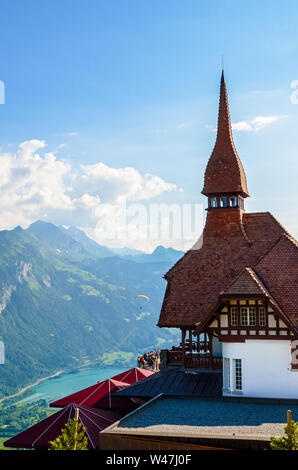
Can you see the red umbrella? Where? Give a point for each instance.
(99, 395)
(132, 376)
(39, 435)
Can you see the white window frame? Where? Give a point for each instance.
(262, 316)
(234, 316)
(237, 375)
(246, 312)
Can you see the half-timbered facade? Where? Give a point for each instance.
(234, 295)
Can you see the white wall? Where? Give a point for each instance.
(266, 368)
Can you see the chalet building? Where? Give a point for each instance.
(238, 289)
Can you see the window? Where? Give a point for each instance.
(252, 316)
(233, 201)
(248, 316)
(224, 201)
(241, 202)
(262, 316)
(234, 316)
(243, 316)
(237, 363)
(213, 202)
(226, 373)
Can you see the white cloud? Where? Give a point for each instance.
(36, 186)
(112, 184)
(256, 124)
(71, 134)
(241, 126)
(260, 122)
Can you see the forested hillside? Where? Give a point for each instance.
(62, 307)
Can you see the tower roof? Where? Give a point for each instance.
(224, 172)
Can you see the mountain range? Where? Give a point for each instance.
(67, 302)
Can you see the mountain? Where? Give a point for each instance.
(159, 255)
(127, 251)
(62, 308)
(89, 245)
(55, 238)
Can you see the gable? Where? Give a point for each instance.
(247, 283)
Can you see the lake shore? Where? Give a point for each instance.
(23, 390)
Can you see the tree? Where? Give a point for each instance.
(73, 437)
(287, 442)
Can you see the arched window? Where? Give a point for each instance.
(223, 201)
(213, 202)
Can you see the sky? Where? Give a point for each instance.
(110, 109)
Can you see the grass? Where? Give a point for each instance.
(2, 440)
(124, 357)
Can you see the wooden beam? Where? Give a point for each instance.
(183, 346)
(190, 340)
(210, 350)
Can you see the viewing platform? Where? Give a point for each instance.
(190, 359)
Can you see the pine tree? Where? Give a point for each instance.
(287, 442)
(73, 437)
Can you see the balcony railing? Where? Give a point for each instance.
(194, 360)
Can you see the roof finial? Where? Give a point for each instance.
(222, 63)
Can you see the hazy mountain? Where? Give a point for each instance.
(159, 255)
(127, 251)
(56, 238)
(90, 245)
(61, 307)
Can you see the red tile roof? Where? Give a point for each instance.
(279, 269)
(247, 283)
(224, 172)
(232, 241)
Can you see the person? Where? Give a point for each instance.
(142, 362)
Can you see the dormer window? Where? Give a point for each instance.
(213, 202)
(223, 201)
(247, 316)
(233, 201)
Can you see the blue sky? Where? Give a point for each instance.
(135, 84)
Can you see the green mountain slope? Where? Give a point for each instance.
(60, 308)
(89, 245)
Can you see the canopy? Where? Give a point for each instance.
(99, 395)
(132, 376)
(39, 435)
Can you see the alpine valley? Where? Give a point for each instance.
(67, 302)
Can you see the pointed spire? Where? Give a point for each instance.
(224, 130)
(224, 172)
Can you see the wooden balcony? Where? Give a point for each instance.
(194, 360)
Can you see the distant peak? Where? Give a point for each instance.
(39, 222)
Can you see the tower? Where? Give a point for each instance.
(225, 181)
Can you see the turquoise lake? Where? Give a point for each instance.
(65, 384)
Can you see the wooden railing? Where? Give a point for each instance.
(195, 361)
